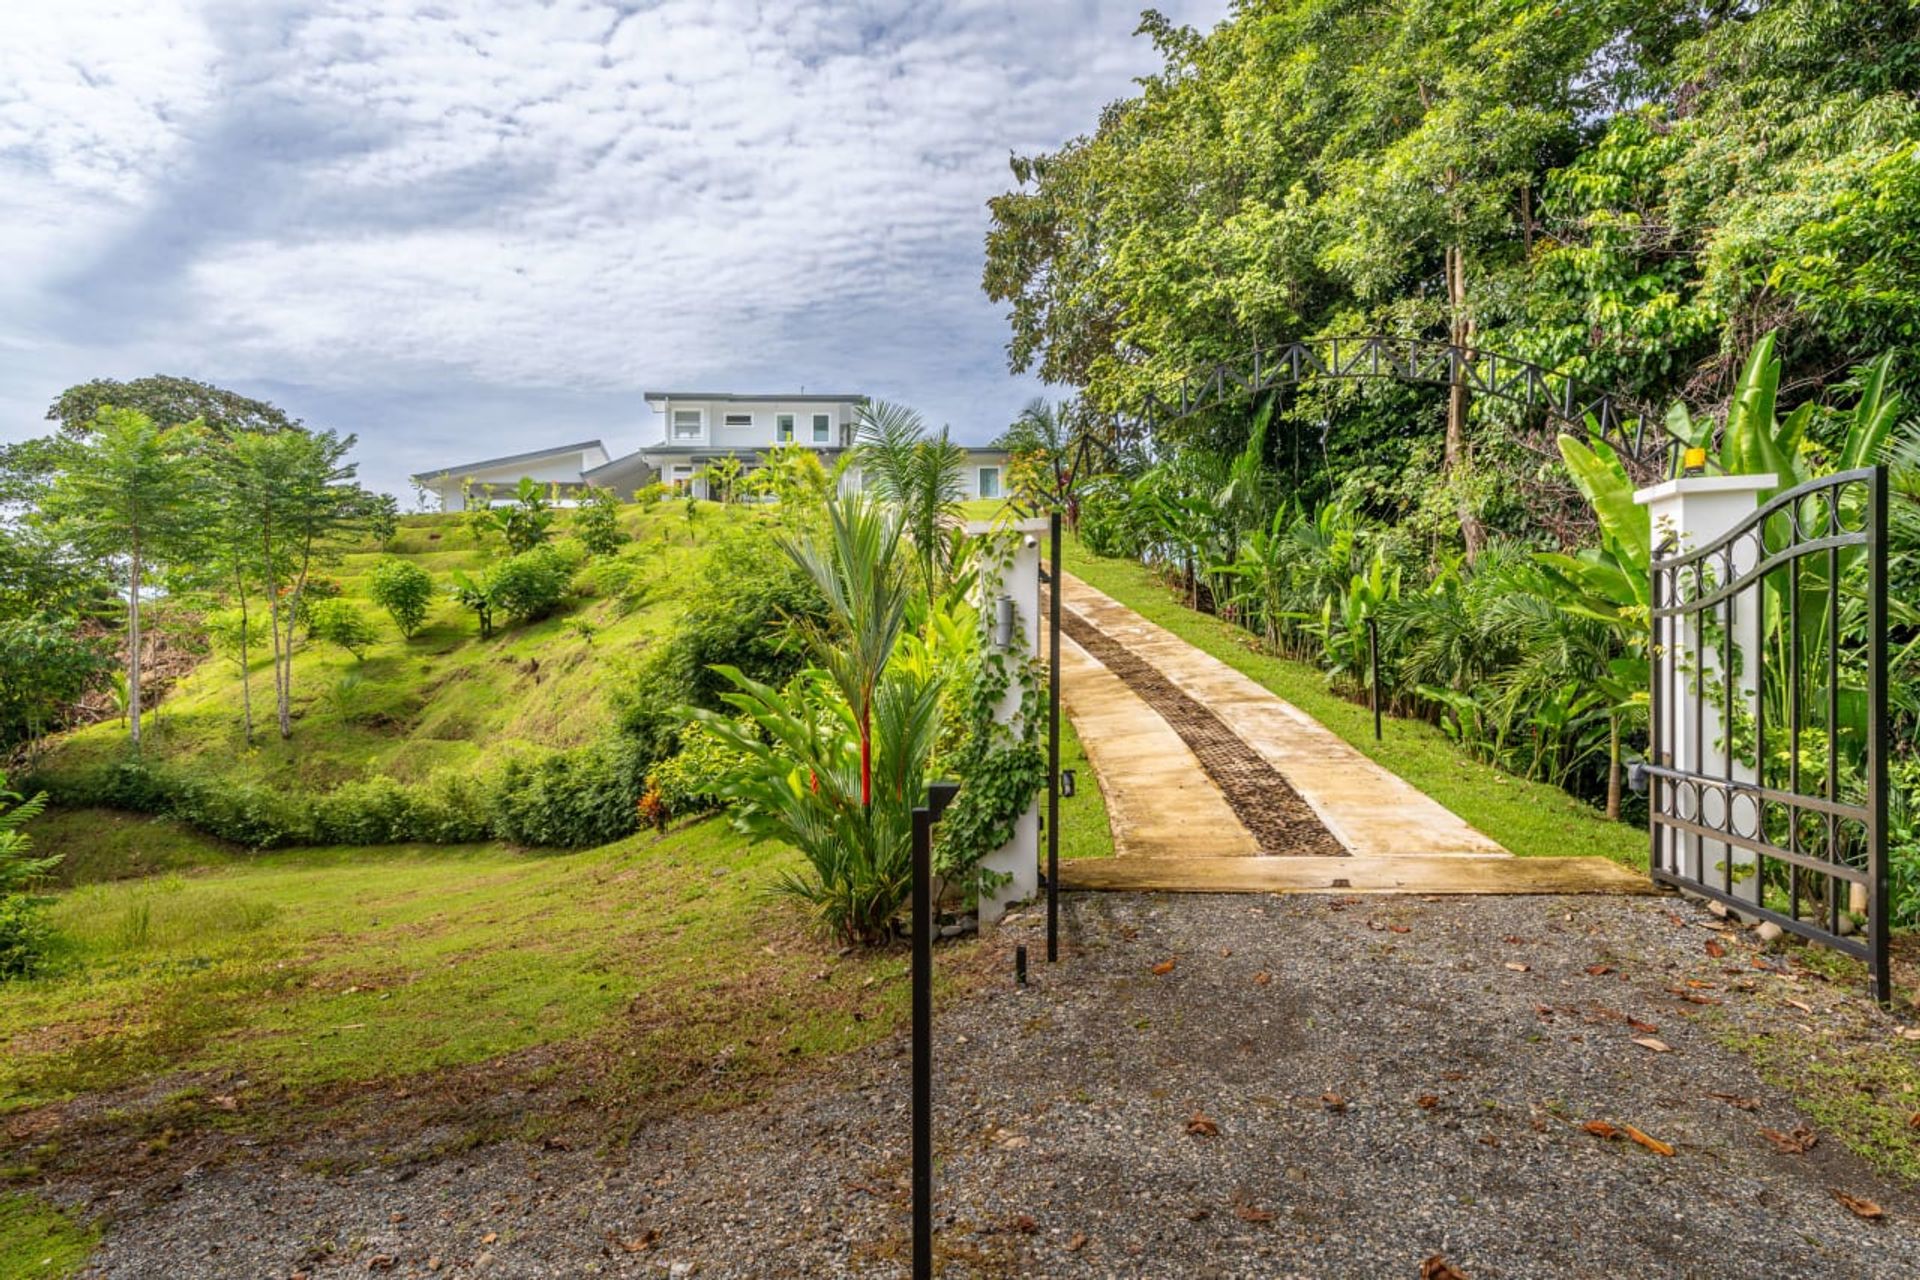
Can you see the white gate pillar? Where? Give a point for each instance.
(1020, 584)
(1693, 511)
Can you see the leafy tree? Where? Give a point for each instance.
(169, 402)
(46, 666)
(129, 492)
(340, 622)
(404, 590)
(596, 522)
(529, 586)
(235, 637)
(475, 594)
(293, 500)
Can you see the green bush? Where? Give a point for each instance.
(742, 618)
(25, 936)
(405, 591)
(597, 521)
(692, 781)
(340, 622)
(571, 799)
(529, 586)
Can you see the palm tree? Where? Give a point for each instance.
(857, 570)
(920, 475)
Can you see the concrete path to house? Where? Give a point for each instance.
(1215, 784)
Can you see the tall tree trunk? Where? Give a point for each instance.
(1458, 460)
(134, 573)
(246, 666)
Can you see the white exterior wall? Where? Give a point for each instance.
(565, 468)
(765, 415)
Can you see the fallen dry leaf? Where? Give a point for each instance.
(1401, 928)
(1333, 1102)
(1251, 1213)
(1600, 1129)
(1262, 978)
(1796, 1143)
(1645, 1028)
(642, 1242)
(1913, 1121)
(1801, 1005)
(1201, 1125)
(1078, 1242)
(1652, 1144)
(1427, 1101)
(490, 1237)
(381, 1262)
(1735, 1100)
(1516, 966)
(1164, 967)
(1648, 1042)
(1599, 970)
(1023, 1223)
(1859, 1207)
(1714, 949)
(1438, 1268)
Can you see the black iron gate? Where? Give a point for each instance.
(1768, 721)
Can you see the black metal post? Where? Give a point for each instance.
(1373, 672)
(1053, 740)
(1879, 900)
(939, 796)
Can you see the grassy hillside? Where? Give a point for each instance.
(445, 700)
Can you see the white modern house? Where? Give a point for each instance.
(700, 428)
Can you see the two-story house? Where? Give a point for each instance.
(699, 429)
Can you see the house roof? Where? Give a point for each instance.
(510, 459)
(737, 396)
(624, 462)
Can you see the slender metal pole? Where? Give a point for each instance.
(922, 1044)
(1373, 675)
(1879, 903)
(1053, 741)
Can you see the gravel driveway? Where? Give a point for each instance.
(1207, 1086)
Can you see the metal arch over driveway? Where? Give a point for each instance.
(1418, 360)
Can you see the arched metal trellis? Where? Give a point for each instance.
(1442, 364)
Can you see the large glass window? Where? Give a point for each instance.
(823, 428)
(989, 482)
(783, 427)
(739, 420)
(689, 424)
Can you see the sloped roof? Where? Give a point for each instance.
(510, 459)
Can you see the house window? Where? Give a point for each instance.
(989, 482)
(822, 428)
(680, 478)
(783, 427)
(689, 424)
(739, 420)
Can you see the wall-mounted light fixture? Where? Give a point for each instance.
(1694, 462)
(1066, 784)
(1003, 623)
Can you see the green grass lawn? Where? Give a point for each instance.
(1084, 828)
(331, 966)
(38, 1241)
(1529, 818)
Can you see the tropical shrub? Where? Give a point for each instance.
(529, 586)
(626, 583)
(341, 623)
(24, 935)
(694, 779)
(405, 591)
(524, 521)
(46, 666)
(596, 521)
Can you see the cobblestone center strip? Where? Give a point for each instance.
(1281, 822)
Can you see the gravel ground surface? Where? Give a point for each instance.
(1205, 1087)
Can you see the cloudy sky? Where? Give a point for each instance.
(474, 228)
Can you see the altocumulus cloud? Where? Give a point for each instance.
(481, 226)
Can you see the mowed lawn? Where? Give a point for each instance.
(325, 966)
(1532, 819)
